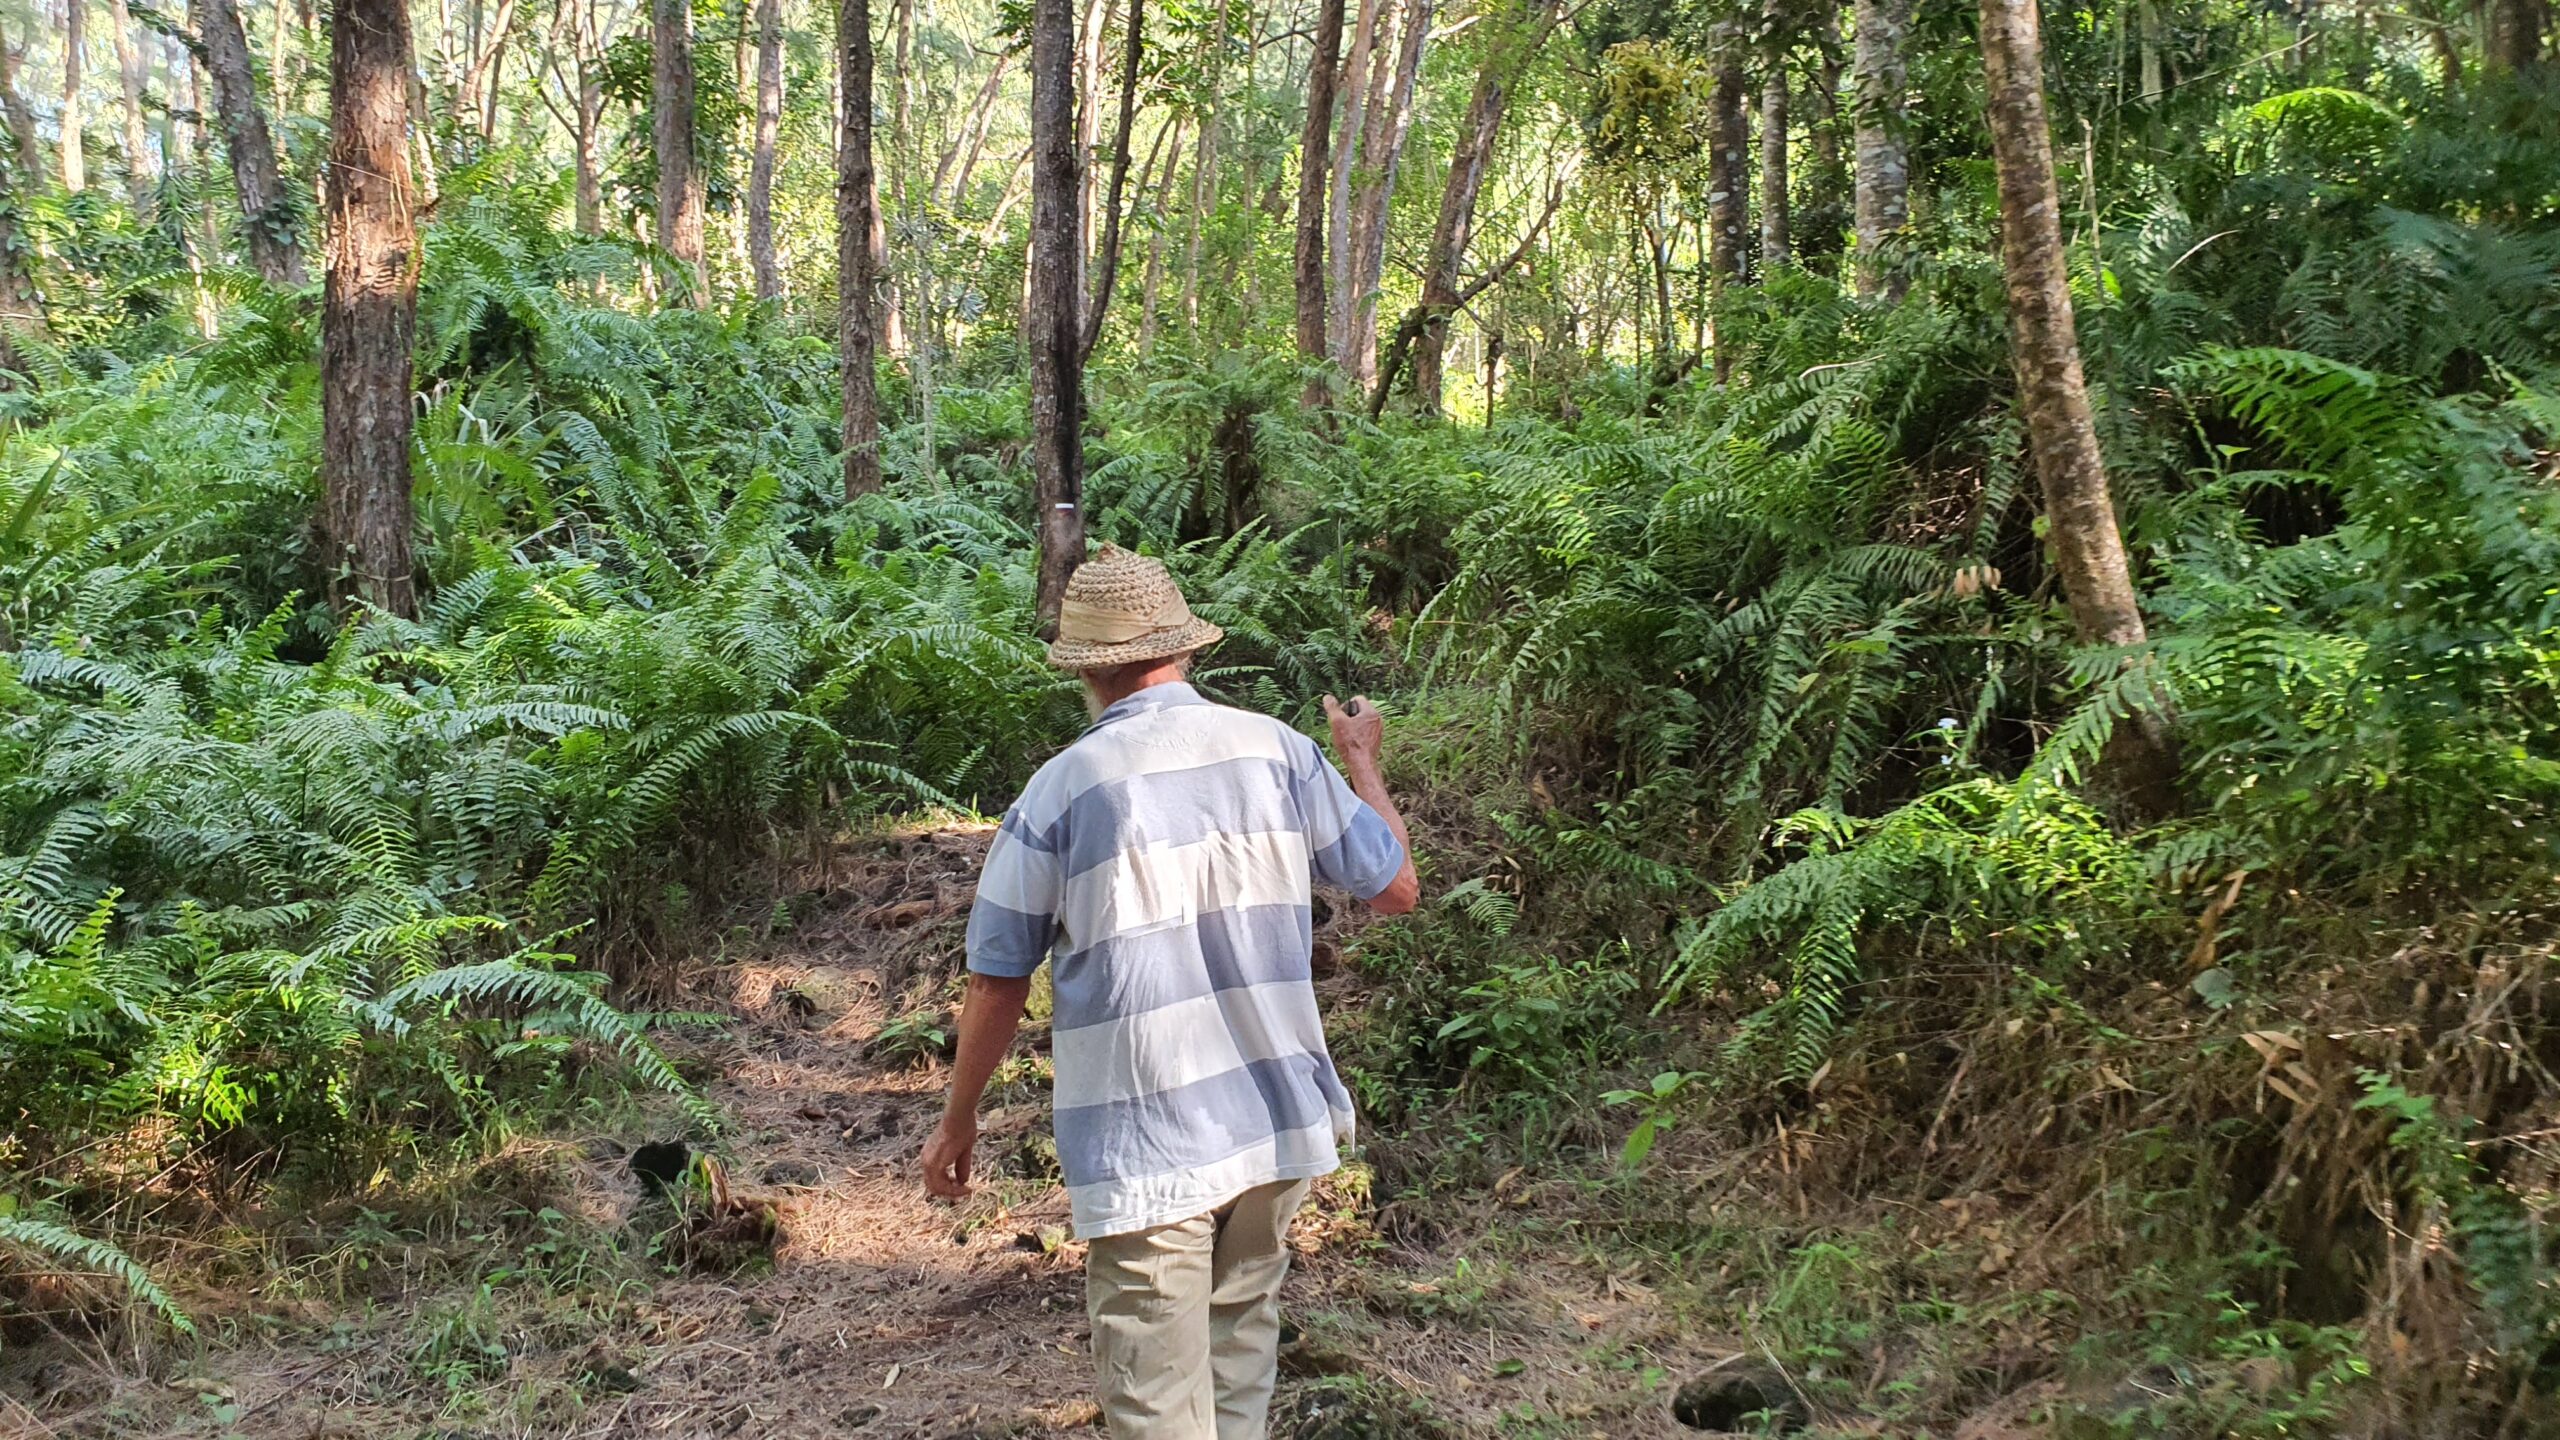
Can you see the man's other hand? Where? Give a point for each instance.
(946, 1158)
(1358, 730)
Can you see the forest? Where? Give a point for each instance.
(1967, 595)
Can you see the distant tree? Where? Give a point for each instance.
(1728, 174)
(267, 212)
(1883, 156)
(1107, 255)
(1470, 157)
(680, 182)
(369, 309)
(1777, 39)
(857, 273)
(138, 164)
(760, 247)
(75, 157)
(1053, 325)
(1314, 155)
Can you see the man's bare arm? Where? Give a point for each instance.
(988, 1019)
(1359, 732)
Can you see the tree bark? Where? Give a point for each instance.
(1728, 179)
(1108, 256)
(1882, 180)
(75, 155)
(680, 191)
(1776, 245)
(1204, 181)
(1151, 289)
(760, 249)
(1357, 94)
(139, 169)
(857, 276)
(2515, 34)
(1053, 328)
(1469, 159)
(1377, 196)
(2088, 548)
(964, 148)
(22, 121)
(1314, 150)
(266, 208)
(369, 309)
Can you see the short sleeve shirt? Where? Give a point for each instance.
(1162, 865)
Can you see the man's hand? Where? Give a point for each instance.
(1358, 730)
(946, 1157)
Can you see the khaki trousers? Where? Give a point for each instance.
(1186, 1319)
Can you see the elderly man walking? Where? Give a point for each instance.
(1161, 864)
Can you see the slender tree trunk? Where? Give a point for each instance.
(680, 197)
(1204, 181)
(369, 309)
(1109, 257)
(22, 121)
(857, 276)
(1369, 220)
(479, 98)
(586, 53)
(1728, 179)
(266, 209)
(1057, 385)
(75, 152)
(1151, 290)
(2515, 34)
(964, 148)
(768, 130)
(2088, 548)
(139, 169)
(1776, 245)
(1883, 177)
(1089, 48)
(1469, 160)
(1313, 151)
(1353, 95)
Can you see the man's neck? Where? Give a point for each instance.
(1111, 687)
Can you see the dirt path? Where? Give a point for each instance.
(880, 1314)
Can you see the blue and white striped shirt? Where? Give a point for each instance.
(1162, 864)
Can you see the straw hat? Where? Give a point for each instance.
(1121, 608)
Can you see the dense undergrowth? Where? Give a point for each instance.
(1743, 724)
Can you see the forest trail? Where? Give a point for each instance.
(895, 1316)
(877, 1313)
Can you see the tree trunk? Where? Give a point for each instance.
(2515, 34)
(680, 197)
(1776, 246)
(972, 138)
(1728, 179)
(2088, 549)
(75, 156)
(1204, 181)
(1151, 290)
(1882, 181)
(857, 276)
(587, 48)
(1054, 328)
(1314, 149)
(266, 207)
(1369, 220)
(1089, 47)
(1356, 94)
(139, 171)
(22, 121)
(1109, 255)
(1469, 159)
(369, 309)
(768, 129)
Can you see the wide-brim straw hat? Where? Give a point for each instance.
(1121, 608)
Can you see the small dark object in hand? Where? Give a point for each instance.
(661, 1164)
